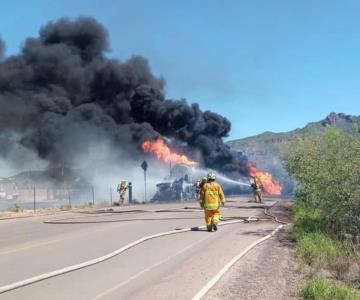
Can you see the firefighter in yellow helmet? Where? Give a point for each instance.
(256, 186)
(121, 189)
(211, 197)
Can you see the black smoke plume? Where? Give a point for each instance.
(61, 93)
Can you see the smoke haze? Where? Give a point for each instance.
(64, 103)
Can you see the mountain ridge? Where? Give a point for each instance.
(265, 149)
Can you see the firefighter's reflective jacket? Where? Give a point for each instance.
(122, 186)
(256, 186)
(212, 195)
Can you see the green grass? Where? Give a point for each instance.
(315, 247)
(319, 248)
(320, 251)
(306, 221)
(323, 289)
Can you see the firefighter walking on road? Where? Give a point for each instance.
(199, 185)
(211, 197)
(121, 189)
(256, 186)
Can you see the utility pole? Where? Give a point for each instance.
(111, 200)
(34, 199)
(63, 193)
(69, 197)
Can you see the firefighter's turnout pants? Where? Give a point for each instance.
(258, 196)
(212, 216)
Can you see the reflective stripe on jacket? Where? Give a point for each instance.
(211, 195)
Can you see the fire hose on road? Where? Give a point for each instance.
(85, 264)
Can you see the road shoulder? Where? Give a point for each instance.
(268, 271)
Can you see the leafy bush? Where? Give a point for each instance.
(307, 220)
(327, 170)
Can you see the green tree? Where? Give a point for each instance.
(327, 170)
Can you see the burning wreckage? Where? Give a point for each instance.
(181, 184)
(178, 187)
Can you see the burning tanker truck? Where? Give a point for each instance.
(180, 185)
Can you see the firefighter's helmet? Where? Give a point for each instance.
(211, 176)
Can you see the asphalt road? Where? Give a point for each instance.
(170, 267)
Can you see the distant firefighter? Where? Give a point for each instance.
(121, 188)
(197, 188)
(211, 197)
(203, 181)
(256, 186)
(199, 185)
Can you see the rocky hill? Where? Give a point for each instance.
(266, 149)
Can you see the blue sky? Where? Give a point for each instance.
(265, 65)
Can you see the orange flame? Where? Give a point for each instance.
(270, 185)
(163, 152)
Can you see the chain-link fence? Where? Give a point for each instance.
(37, 197)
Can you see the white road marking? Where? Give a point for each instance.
(217, 277)
(114, 288)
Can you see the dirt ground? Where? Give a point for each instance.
(268, 271)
